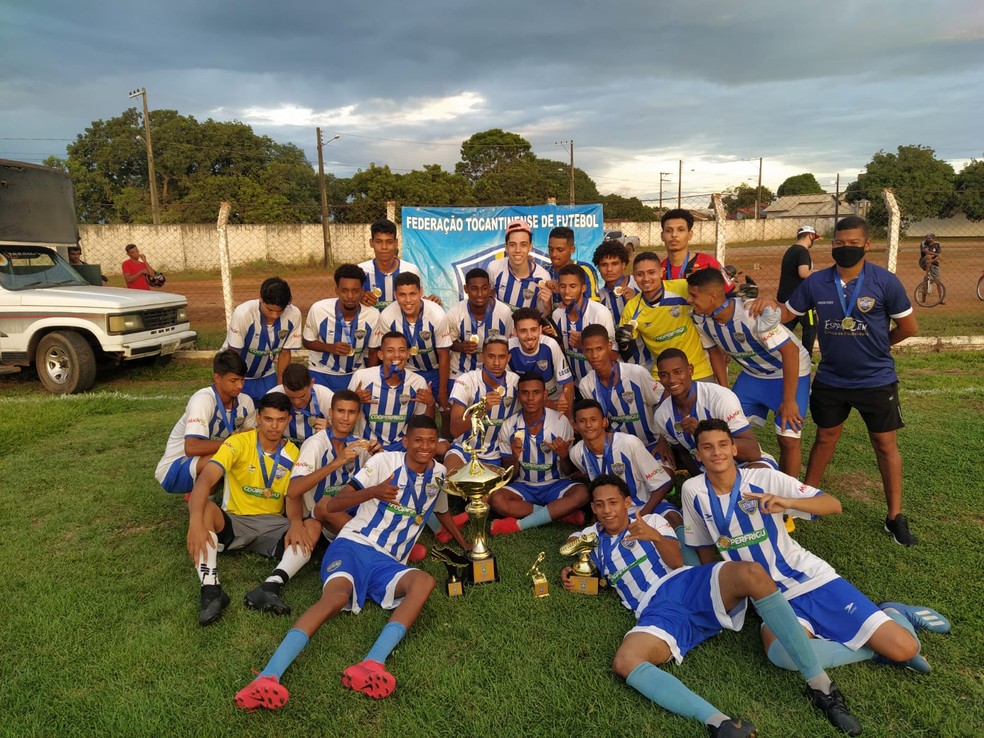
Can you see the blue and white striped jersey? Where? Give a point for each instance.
(462, 325)
(629, 401)
(387, 413)
(318, 452)
(624, 456)
(548, 361)
(426, 334)
(634, 568)
(593, 313)
(740, 532)
(325, 323)
(299, 427)
(205, 417)
(712, 401)
(538, 464)
(259, 342)
(376, 279)
(468, 389)
(393, 527)
(515, 291)
(752, 342)
(616, 303)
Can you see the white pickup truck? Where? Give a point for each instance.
(50, 316)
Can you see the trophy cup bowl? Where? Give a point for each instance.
(584, 574)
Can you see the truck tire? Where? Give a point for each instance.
(65, 363)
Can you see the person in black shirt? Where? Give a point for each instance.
(797, 266)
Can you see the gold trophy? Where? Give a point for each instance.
(456, 564)
(584, 574)
(540, 587)
(475, 481)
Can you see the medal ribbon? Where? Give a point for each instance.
(263, 339)
(724, 306)
(316, 412)
(379, 279)
(228, 419)
(348, 327)
(486, 320)
(580, 307)
(493, 382)
(538, 434)
(683, 267)
(848, 306)
(417, 325)
(393, 371)
(419, 502)
(692, 401)
(605, 392)
(606, 459)
(268, 480)
(722, 519)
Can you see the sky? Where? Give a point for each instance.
(639, 86)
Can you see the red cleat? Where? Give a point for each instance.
(417, 553)
(575, 518)
(264, 691)
(370, 678)
(503, 526)
(443, 536)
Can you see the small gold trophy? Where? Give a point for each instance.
(540, 586)
(456, 564)
(475, 481)
(584, 574)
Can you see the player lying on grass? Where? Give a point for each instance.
(257, 466)
(679, 607)
(395, 493)
(737, 513)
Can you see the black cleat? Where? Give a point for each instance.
(213, 602)
(733, 729)
(898, 528)
(266, 601)
(834, 709)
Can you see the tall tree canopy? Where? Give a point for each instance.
(743, 196)
(970, 190)
(800, 184)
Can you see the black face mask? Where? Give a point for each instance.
(847, 256)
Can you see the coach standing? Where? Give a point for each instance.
(856, 303)
(796, 267)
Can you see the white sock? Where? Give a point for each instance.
(289, 565)
(208, 571)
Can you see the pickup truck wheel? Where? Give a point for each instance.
(65, 363)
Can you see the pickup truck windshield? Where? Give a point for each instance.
(25, 267)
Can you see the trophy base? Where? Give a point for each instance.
(455, 588)
(541, 589)
(484, 571)
(585, 585)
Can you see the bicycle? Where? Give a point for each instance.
(930, 291)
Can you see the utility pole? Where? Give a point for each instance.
(571, 143)
(661, 180)
(154, 207)
(758, 191)
(837, 197)
(325, 233)
(680, 184)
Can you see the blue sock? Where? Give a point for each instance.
(539, 516)
(388, 639)
(690, 557)
(669, 692)
(433, 523)
(292, 644)
(830, 654)
(779, 617)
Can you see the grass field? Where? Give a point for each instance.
(100, 635)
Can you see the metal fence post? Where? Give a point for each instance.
(894, 226)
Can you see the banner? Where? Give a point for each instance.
(447, 242)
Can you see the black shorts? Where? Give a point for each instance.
(878, 406)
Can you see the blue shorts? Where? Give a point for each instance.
(334, 382)
(180, 477)
(256, 388)
(839, 612)
(687, 609)
(371, 573)
(758, 396)
(541, 494)
(458, 451)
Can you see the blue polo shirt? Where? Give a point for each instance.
(860, 355)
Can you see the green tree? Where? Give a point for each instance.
(555, 178)
(923, 185)
(628, 208)
(970, 190)
(800, 184)
(434, 186)
(743, 196)
(488, 151)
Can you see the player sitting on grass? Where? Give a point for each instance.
(395, 492)
(680, 607)
(211, 415)
(257, 466)
(738, 514)
(536, 440)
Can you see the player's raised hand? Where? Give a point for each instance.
(628, 293)
(368, 298)
(640, 530)
(318, 424)
(516, 446)
(351, 450)
(769, 503)
(560, 446)
(387, 491)
(689, 424)
(435, 299)
(493, 399)
(424, 396)
(757, 306)
(365, 395)
(339, 348)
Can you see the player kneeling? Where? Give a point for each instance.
(396, 492)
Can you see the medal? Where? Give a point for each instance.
(268, 479)
(519, 435)
(351, 351)
(633, 324)
(500, 390)
(724, 542)
(473, 338)
(620, 290)
(678, 427)
(419, 520)
(377, 292)
(848, 323)
(414, 350)
(268, 493)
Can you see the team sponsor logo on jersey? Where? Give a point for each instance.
(360, 333)
(740, 337)
(425, 335)
(333, 566)
(742, 541)
(630, 418)
(260, 492)
(865, 303)
(628, 396)
(671, 335)
(747, 506)
(614, 578)
(536, 467)
(733, 415)
(771, 333)
(379, 418)
(618, 468)
(542, 364)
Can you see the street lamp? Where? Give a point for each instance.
(325, 234)
(154, 208)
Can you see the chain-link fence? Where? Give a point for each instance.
(306, 254)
